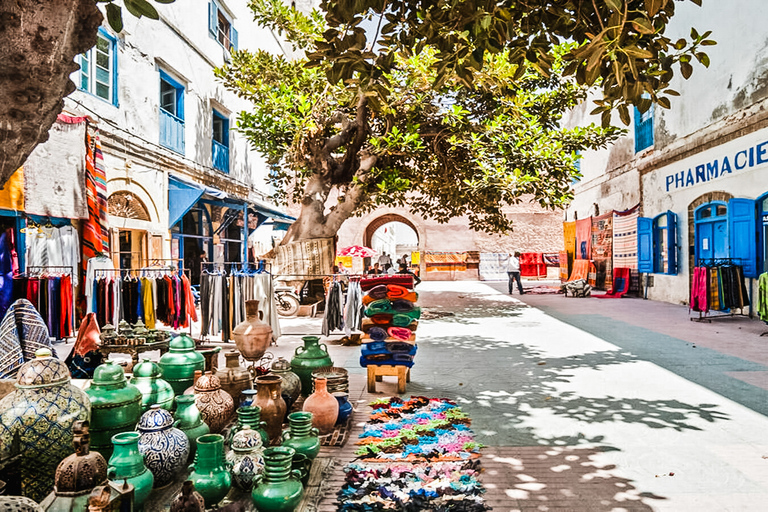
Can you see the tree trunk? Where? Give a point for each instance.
(39, 41)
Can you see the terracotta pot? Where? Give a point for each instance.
(272, 405)
(323, 406)
(252, 336)
(215, 405)
(234, 378)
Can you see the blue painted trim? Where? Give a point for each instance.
(92, 69)
(643, 129)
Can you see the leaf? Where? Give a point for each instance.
(703, 58)
(624, 114)
(144, 8)
(643, 26)
(614, 5)
(115, 17)
(686, 69)
(708, 42)
(165, 1)
(654, 6)
(664, 102)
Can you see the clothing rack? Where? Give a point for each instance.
(245, 266)
(718, 262)
(40, 270)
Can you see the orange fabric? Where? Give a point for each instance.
(12, 193)
(87, 335)
(410, 297)
(190, 300)
(580, 270)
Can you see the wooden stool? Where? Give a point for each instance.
(375, 372)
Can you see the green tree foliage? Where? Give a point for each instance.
(408, 132)
(137, 8)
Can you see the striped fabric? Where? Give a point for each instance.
(17, 347)
(95, 231)
(625, 237)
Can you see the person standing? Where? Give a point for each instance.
(513, 271)
(384, 260)
(407, 271)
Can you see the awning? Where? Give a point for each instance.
(184, 194)
(271, 211)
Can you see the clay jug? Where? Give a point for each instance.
(278, 488)
(234, 378)
(272, 405)
(301, 435)
(210, 474)
(323, 406)
(310, 357)
(215, 405)
(252, 336)
(291, 386)
(249, 416)
(127, 463)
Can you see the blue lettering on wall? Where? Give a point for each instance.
(718, 167)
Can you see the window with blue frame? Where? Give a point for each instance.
(220, 142)
(220, 27)
(763, 230)
(657, 244)
(643, 129)
(98, 68)
(171, 113)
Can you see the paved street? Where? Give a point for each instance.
(594, 405)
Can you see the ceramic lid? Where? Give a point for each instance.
(246, 439)
(181, 343)
(108, 373)
(147, 369)
(208, 382)
(44, 370)
(281, 365)
(156, 418)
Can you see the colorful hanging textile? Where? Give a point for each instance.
(602, 250)
(584, 239)
(580, 270)
(625, 237)
(12, 193)
(446, 261)
(95, 231)
(563, 266)
(569, 240)
(532, 265)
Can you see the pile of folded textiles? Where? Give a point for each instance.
(417, 455)
(391, 318)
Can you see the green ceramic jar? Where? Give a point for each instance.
(127, 463)
(301, 435)
(278, 488)
(154, 390)
(310, 357)
(115, 406)
(250, 415)
(190, 421)
(210, 474)
(180, 362)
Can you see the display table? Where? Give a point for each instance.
(134, 350)
(375, 372)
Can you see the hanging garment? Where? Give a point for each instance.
(762, 296)
(353, 313)
(264, 291)
(699, 290)
(85, 355)
(92, 266)
(333, 318)
(6, 273)
(22, 333)
(713, 276)
(148, 302)
(584, 239)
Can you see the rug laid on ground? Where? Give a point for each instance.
(415, 455)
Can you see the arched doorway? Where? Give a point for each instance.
(129, 244)
(393, 235)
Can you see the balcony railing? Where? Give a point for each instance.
(171, 132)
(220, 157)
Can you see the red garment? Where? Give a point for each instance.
(169, 298)
(699, 290)
(191, 311)
(400, 333)
(87, 336)
(66, 321)
(584, 239)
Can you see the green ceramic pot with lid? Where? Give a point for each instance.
(115, 406)
(310, 357)
(154, 390)
(180, 362)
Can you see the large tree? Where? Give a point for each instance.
(360, 128)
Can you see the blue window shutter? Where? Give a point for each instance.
(644, 245)
(643, 129)
(672, 242)
(233, 38)
(213, 19)
(743, 234)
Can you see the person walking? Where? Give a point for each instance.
(408, 272)
(513, 271)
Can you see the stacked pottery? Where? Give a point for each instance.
(291, 386)
(233, 377)
(279, 488)
(41, 413)
(312, 356)
(272, 405)
(180, 362)
(323, 406)
(250, 416)
(127, 464)
(301, 435)
(115, 406)
(246, 459)
(252, 336)
(215, 405)
(154, 390)
(210, 475)
(165, 448)
(190, 421)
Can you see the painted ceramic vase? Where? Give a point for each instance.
(310, 357)
(115, 406)
(291, 386)
(279, 488)
(345, 408)
(164, 447)
(190, 421)
(246, 458)
(233, 377)
(77, 475)
(272, 405)
(180, 362)
(127, 463)
(154, 390)
(215, 405)
(41, 412)
(210, 474)
(188, 500)
(301, 435)
(324, 408)
(250, 416)
(247, 397)
(252, 336)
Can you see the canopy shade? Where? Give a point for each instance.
(357, 250)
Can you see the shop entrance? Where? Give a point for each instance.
(711, 231)
(193, 241)
(394, 236)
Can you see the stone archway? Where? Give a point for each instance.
(386, 219)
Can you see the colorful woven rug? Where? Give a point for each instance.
(417, 455)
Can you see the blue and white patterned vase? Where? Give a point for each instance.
(246, 458)
(164, 447)
(41, 412)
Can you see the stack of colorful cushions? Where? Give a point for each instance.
(391, 318)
